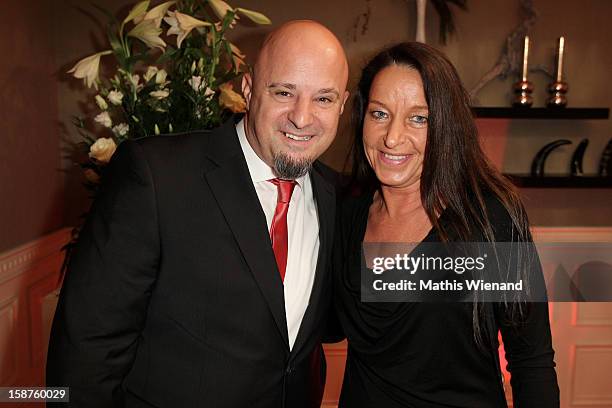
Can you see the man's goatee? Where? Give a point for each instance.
(289, 168)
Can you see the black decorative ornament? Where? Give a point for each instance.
(605, 163)
(537, 165)
(577, 157)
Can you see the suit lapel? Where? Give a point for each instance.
(227, 175)
(326, 205)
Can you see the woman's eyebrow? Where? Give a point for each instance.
(377, 102)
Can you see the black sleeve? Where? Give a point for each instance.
(105, 295)
(527, 339)
(530, 356)
(333, 329)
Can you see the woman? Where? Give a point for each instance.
(424, 178)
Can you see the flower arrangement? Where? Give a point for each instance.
(158, 87)
(173, 71)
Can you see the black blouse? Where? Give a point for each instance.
(424, 355)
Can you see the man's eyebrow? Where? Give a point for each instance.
(329, 90)
(282, 85)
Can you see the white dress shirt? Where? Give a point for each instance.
(303, 233)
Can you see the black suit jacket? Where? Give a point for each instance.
(172, 297)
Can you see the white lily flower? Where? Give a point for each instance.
(88, 69)
(147, 32)
(220, 8)
(160, 94)
(156, 13)
(115, 97)
(156, 130)
(182, 24)
(101, 102)
(254, 16)
(104, 119)
(137, 11)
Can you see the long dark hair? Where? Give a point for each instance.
(456, 173)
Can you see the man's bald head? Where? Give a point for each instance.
(304, 38)
(295, 96)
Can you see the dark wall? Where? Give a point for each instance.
(31, 181)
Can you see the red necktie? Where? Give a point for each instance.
(278, 229)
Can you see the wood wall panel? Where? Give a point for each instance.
(28, 277)
(591, 379)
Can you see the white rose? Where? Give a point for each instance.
(102, 150)
(104, 119)
(121, 129)
(115, 97)
(101, 102)
(160, 77)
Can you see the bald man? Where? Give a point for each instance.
(200, 277)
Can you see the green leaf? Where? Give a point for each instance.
(227, 20)
(78, 121)
(116, 44)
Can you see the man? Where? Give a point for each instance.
(200, 278)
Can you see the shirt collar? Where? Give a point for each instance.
(258, 169)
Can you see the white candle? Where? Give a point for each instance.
(560, 59)
(525, 57)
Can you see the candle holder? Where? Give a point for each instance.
(523, 88)
(523, 91)
(557, 91)
(558, 88)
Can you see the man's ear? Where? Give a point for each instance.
(247, 83)
(346, 95)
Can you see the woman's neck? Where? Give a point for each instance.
(399, 202)
(397, 215)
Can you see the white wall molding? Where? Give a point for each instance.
(572, 234)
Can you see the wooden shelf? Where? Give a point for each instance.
(558, 181)
(541, 113)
